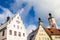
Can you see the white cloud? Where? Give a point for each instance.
(16, 5)
(45, 6)
(42, 8)
(4, 15)
(30, 28)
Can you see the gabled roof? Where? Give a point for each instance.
(52, 31)
(6, 23)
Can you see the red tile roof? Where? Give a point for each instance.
(52, 31)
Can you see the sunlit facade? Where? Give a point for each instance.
(41, 33)
(13, 29)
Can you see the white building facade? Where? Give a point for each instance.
(13, 29)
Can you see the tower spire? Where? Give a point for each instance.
(51, 20)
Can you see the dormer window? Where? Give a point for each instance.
(49, 29)
(51, 32)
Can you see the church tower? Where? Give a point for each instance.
(52, 22)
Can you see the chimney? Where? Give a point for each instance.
(8, 18)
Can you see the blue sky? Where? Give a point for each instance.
(29, 19)
(33, 9)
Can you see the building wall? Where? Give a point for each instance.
(41, 34)
(55, 37)
(31, 36)
(16, 25)
(1, 34)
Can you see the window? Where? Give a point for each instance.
(3, 33)
(52, 25)
(39, 38)
(31, 37)
(10, 32)
(57, 37)
(47, 38)
(21, 27)
(51, 31)
(58, 29)
(18, 26)
(18, 21)
(15, 33)
(23, 34)
(4, 39)
(14, 25)
(19, 34)
(18, 17)
(44, 38)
